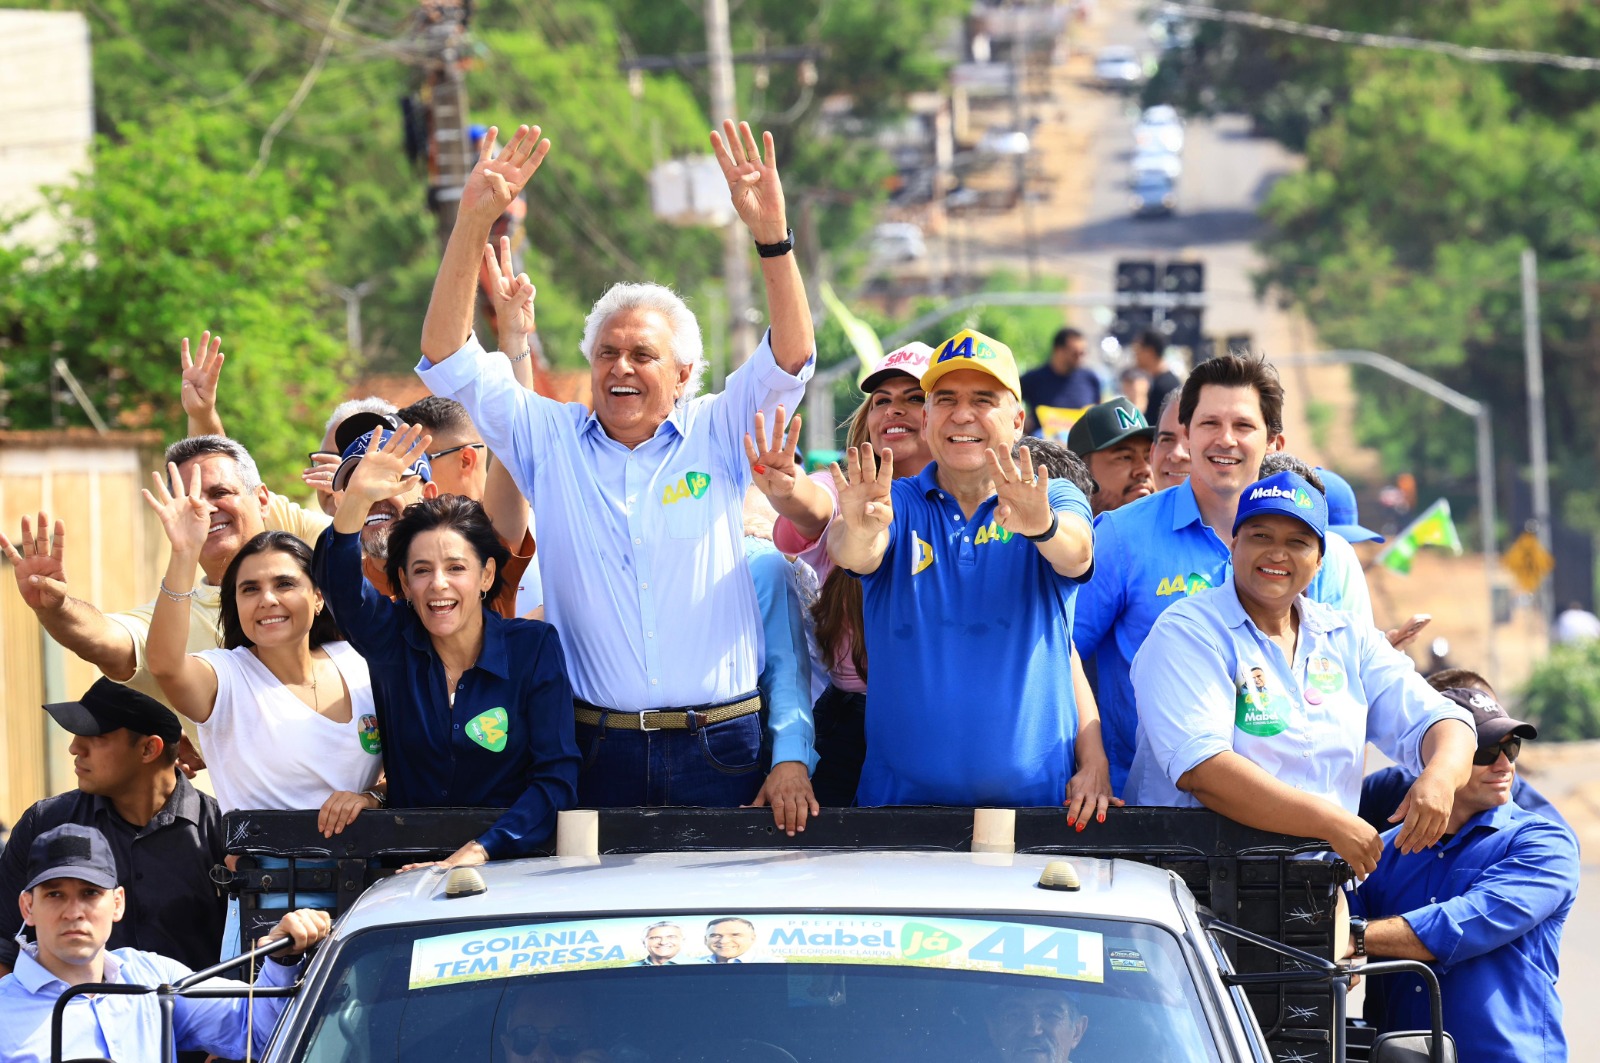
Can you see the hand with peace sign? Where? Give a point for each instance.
(1024, 493)
(495, 181)
(512, 294)
(753, 182)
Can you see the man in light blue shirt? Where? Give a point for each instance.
(71, 900)
(639, 503)
(1157, 550)
(1256, 702)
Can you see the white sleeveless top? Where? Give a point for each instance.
(268, 749)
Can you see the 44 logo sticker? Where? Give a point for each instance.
(1193, 583)
(691, 485)
(490, 729)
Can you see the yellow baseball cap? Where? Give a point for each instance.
(973, 350)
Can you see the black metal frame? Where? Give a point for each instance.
(166, 996)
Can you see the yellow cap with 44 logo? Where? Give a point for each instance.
(973, 350)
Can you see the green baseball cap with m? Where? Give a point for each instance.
(1106, 425)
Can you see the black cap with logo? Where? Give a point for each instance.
(1494, 723)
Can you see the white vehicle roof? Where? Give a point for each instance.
(774, 879)
(1161, 114)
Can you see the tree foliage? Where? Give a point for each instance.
(1425, 178)
(1563, 695)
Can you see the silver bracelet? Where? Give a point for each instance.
(524, 356)
(176, 596)
(376, 796)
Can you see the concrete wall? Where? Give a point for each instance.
(46, 90)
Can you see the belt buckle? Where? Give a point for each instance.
(644, 726)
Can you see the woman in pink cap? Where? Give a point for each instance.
(890, 416)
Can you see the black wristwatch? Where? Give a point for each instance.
(777, 250)
(1358, 937)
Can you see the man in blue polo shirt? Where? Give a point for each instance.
(969, 570)
(1157, 550)
(1485, 909)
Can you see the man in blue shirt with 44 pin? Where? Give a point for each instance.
(1485, 908)
(972, 701)
(1155, 551)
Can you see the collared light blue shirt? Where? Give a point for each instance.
(114, 1026)
(969, 635)
(1208, 682)
(1149, 555)
(640, 550)
(1490, 903)
(786, 665)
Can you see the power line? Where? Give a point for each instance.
(1381, 40)
(300, 94)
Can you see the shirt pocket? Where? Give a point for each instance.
(686, 505)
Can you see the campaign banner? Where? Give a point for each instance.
(995, 946)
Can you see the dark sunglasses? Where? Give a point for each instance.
(1487, 755)
(563, 1040)
(436, 455)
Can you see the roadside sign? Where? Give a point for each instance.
(1528, 561)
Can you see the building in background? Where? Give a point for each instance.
(47, 84)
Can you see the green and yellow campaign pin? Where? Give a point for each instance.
(698, 482)
(489, 730)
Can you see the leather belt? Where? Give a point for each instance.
(665, 719)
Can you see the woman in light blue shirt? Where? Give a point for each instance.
(1257, 703)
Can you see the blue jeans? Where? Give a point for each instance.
(713, 767)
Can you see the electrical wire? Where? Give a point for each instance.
(1380, 40)
(300, 94)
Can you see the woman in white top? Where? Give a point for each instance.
(285, 708)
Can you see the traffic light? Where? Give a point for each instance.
(1136, 275)
(1182, 326)
(1183, 278)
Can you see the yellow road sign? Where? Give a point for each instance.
(1528, 561)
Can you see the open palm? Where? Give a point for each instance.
(41, 575)
(753, 182)
(185, 516)
(496, 180)
(384, 472)
(865, 489)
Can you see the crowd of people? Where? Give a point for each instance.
(527, 605)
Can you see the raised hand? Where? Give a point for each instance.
(199, 392)
(864, 490)
(495, 181)
(773, 466)
(1024, 506)
(186, 516)
(41, 576)
(512, 295)
(382, 472)
(753, 182)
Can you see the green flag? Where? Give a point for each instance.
(858, 332)
(1434, 527)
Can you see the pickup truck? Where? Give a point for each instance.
(884, 935)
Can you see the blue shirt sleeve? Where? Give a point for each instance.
(369, 621)
(759, 384)
(786, 671)
(1537, 878)
(553, 750)
(220, 1025)
(1401, 706)
(1183, 686)
(1100, 599)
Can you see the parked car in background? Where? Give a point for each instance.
(1118, 67)
(1154, 195)
(897, 241)
(1166, 163)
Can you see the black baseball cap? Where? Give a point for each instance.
(1493, 722)
(109, 706)
(361, 424)
(1106, 425)
(72, 851)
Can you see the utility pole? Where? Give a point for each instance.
(352, 311)
(1533, 363)
(444, 25)
(735, 249)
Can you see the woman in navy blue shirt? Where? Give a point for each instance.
(474, 709)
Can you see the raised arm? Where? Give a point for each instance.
(858, 540)
(757, 195)
(776, 473)
(188, 681)
(513, 298)
(79, 627)
(199, 389)
(490, 188)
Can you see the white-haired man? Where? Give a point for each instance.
(640, 502)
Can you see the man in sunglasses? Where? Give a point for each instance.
(1485, 907)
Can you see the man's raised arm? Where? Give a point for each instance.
(490, 188)
(757, 195)
(78, 626)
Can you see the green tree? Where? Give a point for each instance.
(1563, 695)
(160, 241)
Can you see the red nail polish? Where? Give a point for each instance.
(761, 469)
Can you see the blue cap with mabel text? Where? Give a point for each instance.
(1288, 494)
(352, 457)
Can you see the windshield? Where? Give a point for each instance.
(760, 987)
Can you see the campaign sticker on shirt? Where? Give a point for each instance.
(693, 485)
(489, 730)
(369, 734)
(1324, 674)
(1258, 711)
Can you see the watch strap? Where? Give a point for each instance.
(777, 250)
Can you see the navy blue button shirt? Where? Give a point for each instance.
(506, 743)
(1490, 904)
(1384, 789)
